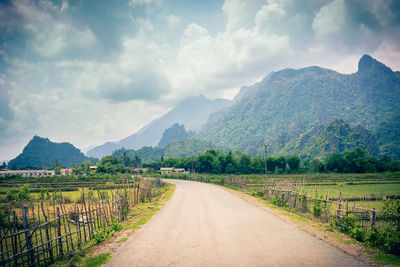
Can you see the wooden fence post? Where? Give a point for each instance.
(28, 237)
(373, 218)
(347, 215)
(325, 204)
(339, 205)
(60, 247)
(15, 244)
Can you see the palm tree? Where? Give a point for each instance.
(137, 161)
(126, 160)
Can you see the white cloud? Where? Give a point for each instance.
(268, 16)
(61, 37)
(240, 13)
(145, 2)
(173, 20)
(330, 19)
(64, 6)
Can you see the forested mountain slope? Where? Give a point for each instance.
(41, 153)
(290, 102)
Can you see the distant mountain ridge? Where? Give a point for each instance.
(175, 132)
(41, 153)
(290, 102)
(192, 112)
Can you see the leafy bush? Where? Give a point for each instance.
(345, 225)
(317, 209)
(116, 227)
(357, 233)
(100, 236)
(303, 200)
(103, 234)
(279, 201)
(386, 239)
(341, 225)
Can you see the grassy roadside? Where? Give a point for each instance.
(323, 231)
(97, 253)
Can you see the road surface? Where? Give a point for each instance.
(204, 225)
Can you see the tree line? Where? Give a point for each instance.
(217, 162)
(214, 161)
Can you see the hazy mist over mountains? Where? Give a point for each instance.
(193, 112)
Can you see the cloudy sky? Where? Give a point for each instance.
(87, 71)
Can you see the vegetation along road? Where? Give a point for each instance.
(204, 225)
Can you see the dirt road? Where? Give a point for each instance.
(204, 225)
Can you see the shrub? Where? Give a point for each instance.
(357, 233)
(116, 227)
(278, 201)
(317, 209)
(386, 239)
(100, 236)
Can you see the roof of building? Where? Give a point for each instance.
(166, 169)
(25, 171)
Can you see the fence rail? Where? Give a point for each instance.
(40, 233)
(343, 212)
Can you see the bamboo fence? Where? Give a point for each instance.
(40, 233)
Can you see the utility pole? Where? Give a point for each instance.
(265, 151)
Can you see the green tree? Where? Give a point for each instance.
(109, 159)
(335, 163)
(3, 166)
(294, 163)
(356, 161)
(57, 166)
(317, 165)
(205, 163)
(281, 163)
(125, 158)
(258, 165)
(244, 164)
(271, 164)
(230, 163)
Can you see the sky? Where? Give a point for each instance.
(87, 72)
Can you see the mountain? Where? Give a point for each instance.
(178, 148)
(287, 103)
(41, 153)
(186, 148)
(334, 137)
(193, 112)
(242, 92)
(176, 132)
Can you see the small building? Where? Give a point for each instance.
(139, 169)
(93, 167)
(27, 173)
(172, 170)
(166, 170)
(66, 171)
